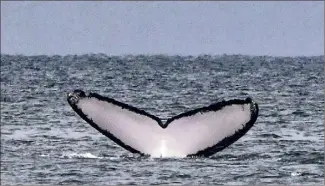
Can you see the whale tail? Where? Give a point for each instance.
(199, 132)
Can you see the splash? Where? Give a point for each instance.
(81, 155)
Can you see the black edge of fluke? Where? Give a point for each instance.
(126, 106)
(74, 96)
(238, 134)
(213, 107)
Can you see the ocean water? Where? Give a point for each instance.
(44, 142)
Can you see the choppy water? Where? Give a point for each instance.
(44, 142)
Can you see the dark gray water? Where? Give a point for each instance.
(44, 142)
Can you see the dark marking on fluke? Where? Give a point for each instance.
(76, 95)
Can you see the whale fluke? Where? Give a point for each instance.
(199, 132)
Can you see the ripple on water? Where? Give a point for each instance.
(44, 142)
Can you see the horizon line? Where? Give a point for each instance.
(162, 54)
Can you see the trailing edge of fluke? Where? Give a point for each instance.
(199, 132)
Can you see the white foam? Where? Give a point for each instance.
(86, 155)
(296, 173)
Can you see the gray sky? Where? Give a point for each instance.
(184, 28)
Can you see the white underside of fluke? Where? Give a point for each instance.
(183, 136)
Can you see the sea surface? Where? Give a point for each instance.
(44, 142)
